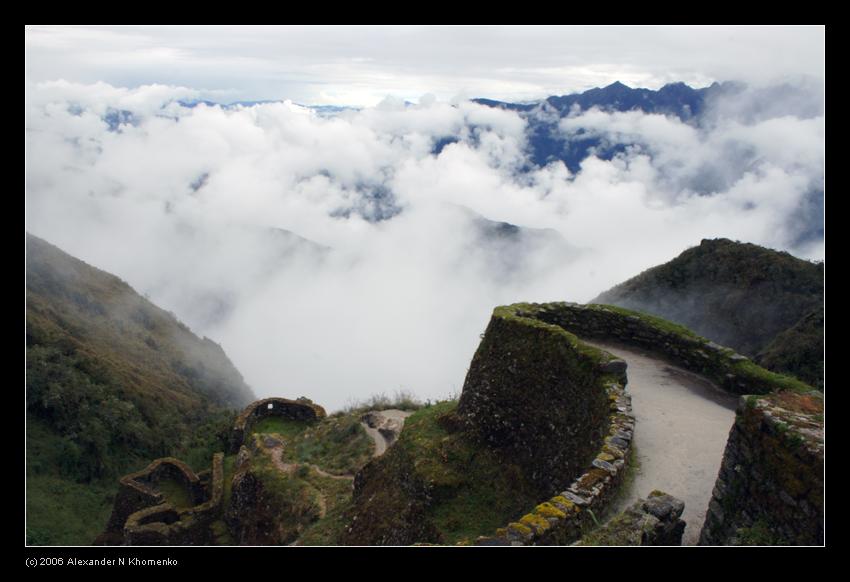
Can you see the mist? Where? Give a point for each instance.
(341, 256)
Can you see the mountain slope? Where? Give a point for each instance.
(112, 381)
(758, 301)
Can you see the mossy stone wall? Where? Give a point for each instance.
(142, 517)
(770, 487)
(729, 370)
(534, 392)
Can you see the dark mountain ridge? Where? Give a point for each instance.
(766, 304)
(674, 98)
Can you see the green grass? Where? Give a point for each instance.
(294, 499)
(61, 512)
(759, 534)
(473, 491)
(337, 494)
(771, 380)
(285, 427)
(339, 445)
(175, 493)
(624, 529)
(528, 313)
(221, 533)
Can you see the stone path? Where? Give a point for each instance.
(682, 424)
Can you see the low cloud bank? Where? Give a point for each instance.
(346, 255)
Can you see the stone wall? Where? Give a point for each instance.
(780, 500)
(137, 491)
(770, 487)
(292, 409)
(142, 516)
(539, 395)
(727, 369)
(164, 524)
(566, 517)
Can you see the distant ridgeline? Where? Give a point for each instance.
(111, 382)
(689, 105)
(548, 145)
(763, 303)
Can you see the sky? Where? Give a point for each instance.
(338, 257)
(361, 65)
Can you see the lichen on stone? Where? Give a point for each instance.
(548, 510)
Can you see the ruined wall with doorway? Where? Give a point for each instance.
(300, 409)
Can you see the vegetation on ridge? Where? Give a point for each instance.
(112, 382)
(766, 304)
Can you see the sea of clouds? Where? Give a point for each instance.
(340, 256)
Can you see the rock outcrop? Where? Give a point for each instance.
(654, 521)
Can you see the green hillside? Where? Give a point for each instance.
(761, 302)
(112, 381)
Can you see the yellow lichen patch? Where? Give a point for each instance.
(605, 457)
(614, 452)
(565, 503)
(549, 510)
(520, 528)
(501, 532)
(535, 522)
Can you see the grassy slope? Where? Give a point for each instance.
(112, 382)
(798, 350)
(338, 445)
(457, 488)
(740, 295)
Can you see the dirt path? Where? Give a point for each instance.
(289, 468)
(682, 424)
(381, 442)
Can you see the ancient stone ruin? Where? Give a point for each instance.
(301, 409)
(166, 503)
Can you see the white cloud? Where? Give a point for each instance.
(180, 204)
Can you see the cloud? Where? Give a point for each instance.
(337, 257)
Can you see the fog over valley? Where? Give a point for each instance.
(340, 253)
